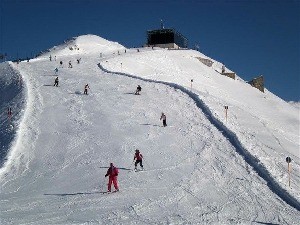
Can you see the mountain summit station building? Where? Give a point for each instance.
(166, 38)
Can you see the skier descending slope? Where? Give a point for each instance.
(164, 119)
(139, 159)
(112, 172)
(56, 82)
(86, 87)
(138, 90)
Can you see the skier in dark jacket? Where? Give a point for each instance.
(56, 82)
(138, 90)
(139, 159)
(86, 87)
(164, 119)
(223, 69)
(113, 173)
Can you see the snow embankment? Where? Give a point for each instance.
(12, 99)
(25, 107)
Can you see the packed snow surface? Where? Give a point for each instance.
(203, 168)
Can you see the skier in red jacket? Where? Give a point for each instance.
(112, 172)
(139, 159)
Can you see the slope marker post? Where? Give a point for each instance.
(289, 160)
(226, 109)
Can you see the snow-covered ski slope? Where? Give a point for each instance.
(200, 169)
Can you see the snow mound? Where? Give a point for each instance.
(84, 44)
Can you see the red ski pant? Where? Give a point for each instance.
(113, 180)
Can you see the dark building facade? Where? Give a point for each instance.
(166, 38)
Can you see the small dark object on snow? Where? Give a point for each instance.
(138, 90)
(56, 82)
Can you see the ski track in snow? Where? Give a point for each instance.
(229, 135)
(203, 187)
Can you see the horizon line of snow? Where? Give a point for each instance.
(229, 135)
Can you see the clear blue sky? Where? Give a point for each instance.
(252, 38)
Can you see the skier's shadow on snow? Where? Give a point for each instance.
(149, 124)
(129, 93)
(266, 223)
(76, 93)
(78, 193)
(48, 85)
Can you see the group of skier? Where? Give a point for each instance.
(70, 62)
(163, 116)
(50, 58)
(113, 171)
(86, 87)
(56, 81)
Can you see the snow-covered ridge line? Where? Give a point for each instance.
(230, 136)
(295, 104)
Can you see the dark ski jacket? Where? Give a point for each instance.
(138, 156)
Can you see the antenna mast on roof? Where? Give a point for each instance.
(161, 24)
